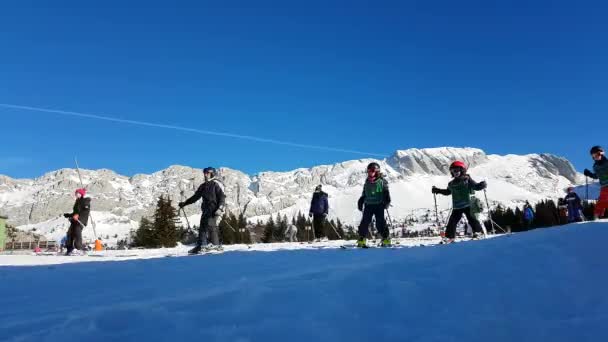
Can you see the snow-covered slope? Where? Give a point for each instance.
(512, 179)
(543, 285)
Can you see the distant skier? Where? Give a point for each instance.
(575, 206)
(319, 207)
(562, 209)
(375, 199)
(63, 243)
(291, 233)
(79, 217)
(600, 171)
(214, 199)
(460, 188)
(528, 215)
(476, 209)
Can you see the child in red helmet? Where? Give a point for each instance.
(460, 187)
(79, 218)
(600, 171)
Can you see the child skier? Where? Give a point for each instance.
(460, 187)
(374, 200)
(600, 171)
(79, 217)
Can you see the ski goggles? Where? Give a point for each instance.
(455, 172)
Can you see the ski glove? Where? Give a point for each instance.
(310, 214)
(181, 204)
(589, 173)
(483, 185)
(67, 215)
(435, 190)
(360, 203)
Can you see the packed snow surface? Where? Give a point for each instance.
(543, 285)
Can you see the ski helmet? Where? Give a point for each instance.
(319, 187)
(458, 164)
(570, 189)
(373, 166)
(596, 149)
(82, 192)
(210, 170)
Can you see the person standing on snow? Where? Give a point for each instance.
(319, 207)
(528, 215)
(214, 200)
(291, 233)
(575, 206)
(375, 199)
(460, 187)
(79, 217)
(600, 171)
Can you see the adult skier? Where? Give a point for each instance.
(79, 217)
(600, 171)
(375, 199)
(460, 187)
(575, 206)
(319, 207)
(214, 199)
(528, 215)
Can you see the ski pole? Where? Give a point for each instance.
(334, 228)
(586, 189)
(485, 194)
(436, 210)
(390, 221)
(82, 185)
(186, 217)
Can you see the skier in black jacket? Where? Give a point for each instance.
(319, 207)
(79, 217)
(214, 200)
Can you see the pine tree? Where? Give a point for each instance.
(166, 224)
(144, 234)
(11, 233)
(281, 227)
(269, 230)
(226, 232)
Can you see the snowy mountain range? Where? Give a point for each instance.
(120, 201)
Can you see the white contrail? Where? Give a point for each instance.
(186, 129)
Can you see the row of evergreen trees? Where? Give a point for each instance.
(547, 214)
(165, 228)
(274, 229)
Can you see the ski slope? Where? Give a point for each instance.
(543, 285)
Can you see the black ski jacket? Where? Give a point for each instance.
(212, 193)
(82, 207)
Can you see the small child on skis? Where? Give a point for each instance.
(460, 187)
(600, 171)
(374, 200)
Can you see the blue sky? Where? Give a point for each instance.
(372, 76)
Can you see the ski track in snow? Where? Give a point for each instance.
(543, 285)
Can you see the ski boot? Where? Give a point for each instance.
(362, 243)
(196, 250)
(386, 243)
(447, 241)
(477, 236)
